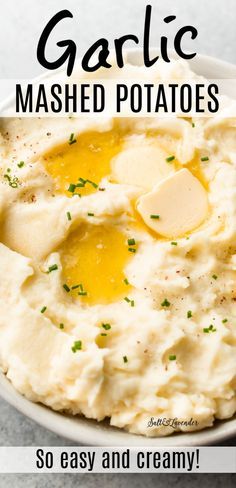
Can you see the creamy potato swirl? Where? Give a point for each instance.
(103, 314)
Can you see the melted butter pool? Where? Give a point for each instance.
(93, 259)
(88, 158)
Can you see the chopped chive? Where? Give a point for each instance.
(80, 286)
(131, 249)
(71, 188)
(224, 321)
(172, 357)
(21, 164)
(54, 267)
(170, 159)
(103, 334)
(131, 242)
(125, 359)
(83, 183)
(13, 181)
(66, 287)
(212, 328)
(193, 125)
(205, 158)
(8, 179)
(43, 309)
(165, 303)
(174, 243)
(209, 329)
(68, 215)
(72, 139)
(61, 326)
(126, 281)
(131, 302)
(77, 346)
(106, 326)
(153, 216)
(82, 180)
(90, 214)
(189, 314)
(92, 183)
(82, 293)
(214, 276)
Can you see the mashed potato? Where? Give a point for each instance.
(118, 262)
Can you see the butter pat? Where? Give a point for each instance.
(177, 205)
(143, 166)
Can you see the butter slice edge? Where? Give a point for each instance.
(177, 205)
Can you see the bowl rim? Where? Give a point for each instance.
(89, 432)
(134, 54)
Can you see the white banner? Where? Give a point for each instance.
(117, 460)
(60, 97)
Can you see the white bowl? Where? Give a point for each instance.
(89, 432)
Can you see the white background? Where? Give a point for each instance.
(22, 21)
